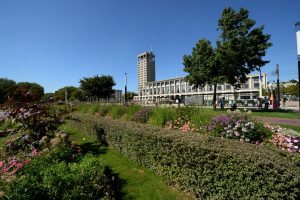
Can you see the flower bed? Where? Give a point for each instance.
(240, 127)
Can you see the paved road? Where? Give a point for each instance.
(275, 120)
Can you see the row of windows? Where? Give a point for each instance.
(165, 90)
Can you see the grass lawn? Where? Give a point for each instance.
(295, 128)
(140, 183)
(278, 114)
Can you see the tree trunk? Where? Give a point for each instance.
(215, 97)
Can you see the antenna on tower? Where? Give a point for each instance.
(151, 48)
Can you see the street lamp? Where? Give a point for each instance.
(298, 56)
(125, 97)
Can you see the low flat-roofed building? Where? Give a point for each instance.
(179, 90)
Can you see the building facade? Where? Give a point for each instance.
(146, 70)
(179, 90)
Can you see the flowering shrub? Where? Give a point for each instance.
(283, 140)
(49, 178)
(240, 127)
(33, 122)
(181, 124)
(14, 165)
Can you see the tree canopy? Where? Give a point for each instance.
(73, 93)
(130, 95)
(202, 66)
(6, 87)
(291, 89)
(241, 47)
(238, 52)
(97, 86)
(27, 92)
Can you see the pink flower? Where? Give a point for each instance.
(236, 133)
(34, 152)
(1, 163)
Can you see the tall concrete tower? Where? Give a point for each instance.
(298, 54)
(146, 69)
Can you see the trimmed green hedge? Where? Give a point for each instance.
(209, 167)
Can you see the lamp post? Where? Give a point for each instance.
(260, 84)
(125, 95)
(298, 56)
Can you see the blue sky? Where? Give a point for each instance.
(57, 42)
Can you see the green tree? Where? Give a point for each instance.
(27, 92)
(292, 90)
(97, 86)
(202, 66)
(48, 97)
(6, 87)
(130, 95)
(238, 52)
(241, 46)
(73, 93)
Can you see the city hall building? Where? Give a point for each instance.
(177, 90)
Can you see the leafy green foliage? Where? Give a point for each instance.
(130, 95)
(97, 86)
(25, 92)
(49, 178)
(160, 116)
(239, 126)
(209, 167)
(6, 87)
(73, 93)
(202, 67)
(238, 52)
(241, 46)
(142, 115)
(291, 90)
(33, 122)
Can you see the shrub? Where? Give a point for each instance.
(206, 166)
(117, 112)
(131, 110)
(103, 110)
(160, 116)
(101, 136)
(240, 127)
(48, 178)
(142, 115)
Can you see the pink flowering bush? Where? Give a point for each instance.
(283, 140)
(181, 124)
(182, 121)
(13, 165)
(239, 127)
(32, 123)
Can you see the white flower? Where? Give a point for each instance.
(236, 133)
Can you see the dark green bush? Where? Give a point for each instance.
(101, 136)
(209, 167)
(103, 110)
(142, 115)
(48, 178)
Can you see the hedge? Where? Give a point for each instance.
(208, 167)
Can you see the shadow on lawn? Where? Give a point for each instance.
(114, 184)
(93, 148)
